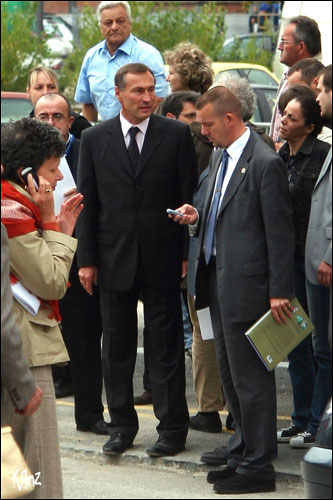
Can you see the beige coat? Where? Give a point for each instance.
(41, 262)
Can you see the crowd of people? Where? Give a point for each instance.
(253, 230)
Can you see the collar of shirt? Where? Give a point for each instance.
(234, 151)
(140, 136)
(126, 46)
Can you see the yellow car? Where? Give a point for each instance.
(255, 73)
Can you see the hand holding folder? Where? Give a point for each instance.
(273, 341)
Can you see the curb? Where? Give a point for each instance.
(175, 463)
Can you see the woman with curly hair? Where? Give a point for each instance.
(41, 254)
(189, 68)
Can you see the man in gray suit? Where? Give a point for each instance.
(15, 374)
(244, 266)
(318, 260)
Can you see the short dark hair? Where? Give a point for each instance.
(174, 102)
(120, 76)
(309, 106)
(307, 31)
(52, 96)
(327, 80)
(28, 143)
(224, 101)
(293, 92)
(309, 68)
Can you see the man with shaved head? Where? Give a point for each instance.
(244, 266)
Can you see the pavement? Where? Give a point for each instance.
(89, 446)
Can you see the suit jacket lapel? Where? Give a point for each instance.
(326, 165)
(152, 141)
(120, 152)
(211, 184)
(239, 173)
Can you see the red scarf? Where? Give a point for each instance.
(21, 216)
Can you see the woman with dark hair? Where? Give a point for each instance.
(304, 156)
(41, 253)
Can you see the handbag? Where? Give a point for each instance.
(16, 477)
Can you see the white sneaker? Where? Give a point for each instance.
(284, 435)
(302, 440)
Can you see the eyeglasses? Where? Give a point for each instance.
(55, 117)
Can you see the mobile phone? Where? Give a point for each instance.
(174, 212)
(29, 170)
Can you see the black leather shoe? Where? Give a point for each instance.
(117, 444)
(63, 389)
(145, 398)
(217, 475)
(206, 422)
(217, 457)
(100, 427)
(238, 484)
(165, 448)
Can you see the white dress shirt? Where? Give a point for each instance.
(140, 136)
(234, 152)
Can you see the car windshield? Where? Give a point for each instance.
(259, 77)
(14, 109)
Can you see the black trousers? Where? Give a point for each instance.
(249, 389)
(81, 326)
(165, 344)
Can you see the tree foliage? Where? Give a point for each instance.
(163, 28)
(21, 48)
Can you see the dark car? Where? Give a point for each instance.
(14, 105)
(316, 466)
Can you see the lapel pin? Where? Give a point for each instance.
(243, 170)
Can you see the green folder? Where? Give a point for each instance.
(274, 341)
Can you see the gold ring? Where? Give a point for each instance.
(48, 190)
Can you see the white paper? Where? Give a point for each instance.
(205, 323)
(27, 299)
(64, 185)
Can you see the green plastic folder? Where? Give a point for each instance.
(274, 341)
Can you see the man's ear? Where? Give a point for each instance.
(171, 115)
(117, 92)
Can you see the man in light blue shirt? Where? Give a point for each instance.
(95, 87)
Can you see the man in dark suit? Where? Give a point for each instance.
(81, 323)
(244, 265)
(131, 169)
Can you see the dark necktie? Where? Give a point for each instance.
(210, 227)
(133, 149)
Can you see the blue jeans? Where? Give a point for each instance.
(301, 362)
(319, 309)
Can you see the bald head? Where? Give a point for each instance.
(56, 110)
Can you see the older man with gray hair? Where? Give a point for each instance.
(95, 87)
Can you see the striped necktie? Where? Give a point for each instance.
(210, 228)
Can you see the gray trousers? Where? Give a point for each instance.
(249, 389)
(38, 438)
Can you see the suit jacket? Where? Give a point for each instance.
(126, 212)
(15, 374)
(319, 236)
(199, 202)
(254, 235)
